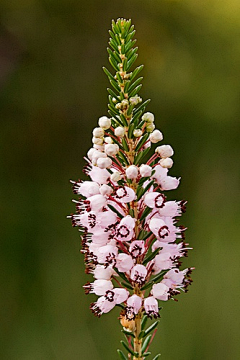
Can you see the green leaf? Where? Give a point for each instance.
(135, 118)
(135, 91)
(131, 34)
(128, 333)
(127, 285)
(151, 256)
(114, 85)
(136, 72)
(130, 44)
(131, 61)
(113, 63)
(147, 354)
(115, 210)
(145, 213)
(143, 105)
(157, 356)
(151, 328)
(144, 321)
(112, 93)
(146, 188)
(121, 275)
(131, 52)
(141, 142)
(141, 155)
(130, 109)
(121, 355)
(124, 144)
(124, 121)
(136, 82)
(113, 44)
(130, 131)
(127, 348)
(146, 342)
(123, 157)
(113, 109)
(110, 76)
(157, 278)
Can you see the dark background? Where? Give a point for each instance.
(53, 90)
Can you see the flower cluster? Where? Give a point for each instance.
(131, 239)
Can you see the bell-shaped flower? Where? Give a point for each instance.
(102, 306)
(98, 287)
(174, 278)
(120, 295)
(124, 231)
(171, 208)
(155, 200)
(125, 194)
(138, 274)
(102, 273)
(100, 237)
(97, 202)
(107, 255)
(124, 262)
(162, 261)
(134, 303)
(160, 291)
(151, 307)
(98, 175)
(137, 248)
(86, 188)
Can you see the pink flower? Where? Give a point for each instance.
(100, 272)
(102, 305)
(124, 231)
(97, 202)
(85, 188)
(120, 295)
(125, 194)
(137, 248)
(155, 200)
(98, 287)
(160, 291)
(124, 262)
(134, 303)
(107, 255)
(138, 274)
(162, 261)
(151, 307)
(101, 176)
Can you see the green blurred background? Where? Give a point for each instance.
(53, 90)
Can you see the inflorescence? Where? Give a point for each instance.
(131, 240)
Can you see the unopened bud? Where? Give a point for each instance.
(119, 131)
(90, 153)
(104, 122)
(135, 100)
(164, 151)
(105, 189)
(148, 117)
(156, 136)
(98, 132)
(97, 141)
(115, 176)
(150, 127)
(111, 149)
(145, 170)
(108, 140)
(132, 172)
(104, 163)
(125, 103)
(166, 163)
(137, 132)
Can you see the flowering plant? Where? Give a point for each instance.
(130, 237)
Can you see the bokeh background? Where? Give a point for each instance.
(52, 92)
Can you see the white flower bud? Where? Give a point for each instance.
(114, 100)
(104, 163)
(104, 122)
(148, 117)
(98, 132)
(135, 100)
(150, 127)
(125, 103)
(108, 140)
(97, 141)
(98, 147)
(164, 151)
(137, 132)
(156, 136)
(118, 106)
(96, 155)
(166, 163)
(119, 131)
(145, 170)
(111, 149)
(116, 176)
(90, 153)
(132, 172)
(105, 190)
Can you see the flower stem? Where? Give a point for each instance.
(137, 341)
